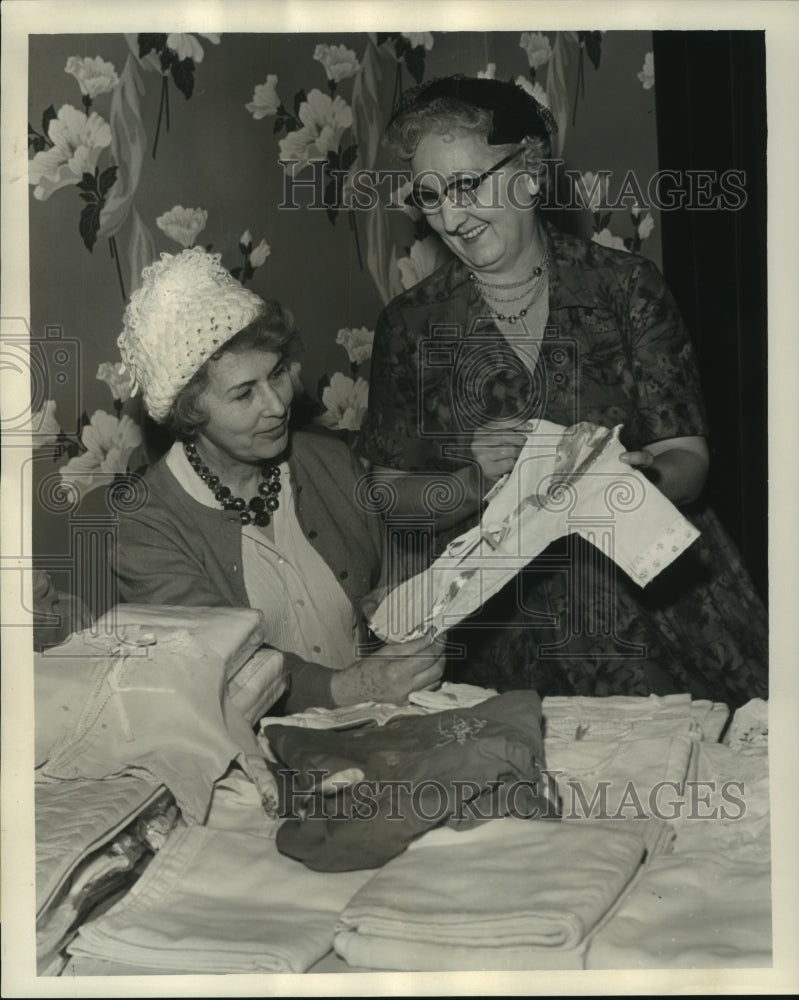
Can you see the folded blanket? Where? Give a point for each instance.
(509, 894)
(565, 480)
(413, 773)
(217, 901)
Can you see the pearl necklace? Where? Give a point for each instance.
(487, 289)
(260, 509)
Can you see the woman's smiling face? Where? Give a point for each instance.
(494, 235)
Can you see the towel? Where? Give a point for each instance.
(507, 895)
(565, 480)
(218, 901)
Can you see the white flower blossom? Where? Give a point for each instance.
(183, 225)
(260, 253)
(537, 48)
(118, 379)
(606, 239)
(94, 76)
(324, 121)
(44, 426)
(646, 226)
(426, 256)
(109, 444)
(592, 189)
(345, 403)
(533, 89)
(265, 100)
(357, 342)
(647, 74)
(187, 46)
(246, 238)
(340, 63)
(489, 73)
(78, 141)
(417, 38)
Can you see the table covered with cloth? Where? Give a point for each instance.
(646, 833)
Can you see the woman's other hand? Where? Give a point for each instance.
(390, 674)
(677, 466)
(496, 450)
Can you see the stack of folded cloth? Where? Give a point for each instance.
(150, 699)
(215, 900)
(707, 905)
(626, 757)
(507, 895)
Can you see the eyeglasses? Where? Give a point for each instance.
(461, 190)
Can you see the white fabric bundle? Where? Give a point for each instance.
(566, 480)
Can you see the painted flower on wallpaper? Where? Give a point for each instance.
(533, 89)
(183, 225)
(606, 239)
(94, 76)
(425, 256)
(340, 63)
(187, 46)
(327, 119)
(265, 100)
(78, 141)
(118, 379)
(260, 253)
(108, 443)
(647, 74)
(357, 342)
(645, 227)
(419, 38)
(489, 73)
(537, 47)
(44, 426)
(345, 401)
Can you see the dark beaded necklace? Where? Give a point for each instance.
(259, 510)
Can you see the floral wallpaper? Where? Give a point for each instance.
(250, 145)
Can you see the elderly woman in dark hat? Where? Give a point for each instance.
(527, 323)
(241, 511)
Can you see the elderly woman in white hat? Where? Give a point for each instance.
(241, 511)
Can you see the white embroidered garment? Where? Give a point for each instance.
(306, 610)
(566, 480)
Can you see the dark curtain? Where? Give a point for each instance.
(711, 116)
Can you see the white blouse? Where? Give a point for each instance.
(305, 608)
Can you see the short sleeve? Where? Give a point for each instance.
(669, 395)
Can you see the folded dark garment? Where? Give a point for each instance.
(459, 767)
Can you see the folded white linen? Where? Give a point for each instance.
(537, 890)
(698, 910)
(217, 901)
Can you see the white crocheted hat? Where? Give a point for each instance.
(188, 306)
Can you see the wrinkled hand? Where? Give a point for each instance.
(390, 674)
(496, 451)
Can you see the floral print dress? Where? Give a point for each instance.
(614, 351)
